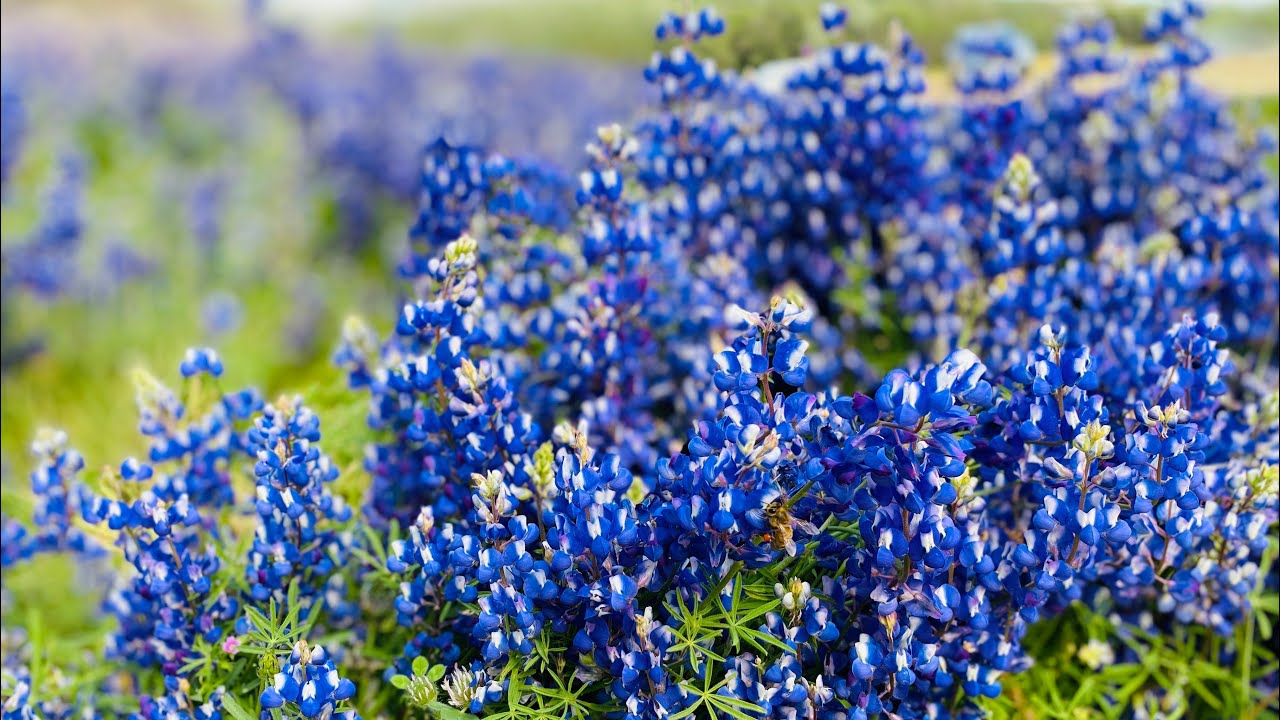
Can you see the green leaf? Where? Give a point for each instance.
(734, 707)
(435, 673)
(400, 681)
(234, 708)
(261, 625)
(1203, 692)
(420, 665)
(305, 630)
(755, 636)
(1264, 625)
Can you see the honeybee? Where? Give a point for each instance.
(782, 525)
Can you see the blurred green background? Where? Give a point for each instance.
(620, 30)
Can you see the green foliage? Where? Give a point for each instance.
(233, 708)
(60, 640)
(712, 631)
(712, 705)
(76, 381)
(423, 687)
(244, 674)
(761, 30)
(1179, 674)
(882, 338)
(1262, 114)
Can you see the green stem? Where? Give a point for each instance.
(799, 494)
(733, 572)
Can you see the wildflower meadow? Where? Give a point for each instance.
(347, 377)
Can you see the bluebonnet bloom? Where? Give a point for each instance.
(450, 413)
(169, 599)
(1187, 365)
(122, 263)
(221, 313)
(1173, 26)
(17, 545)
(204, 215)
(201, 360)
(1087, 47)
(453, 181)
(13, 111)
(191, 447)
(600, 332)
(56, 487)
(299, 538)
(308, 686)
(178, 704)
(989, 57)
(47, 264)
(833, 16)
(1022, 233)
(988, 63)
(19, 703)
(850, 156)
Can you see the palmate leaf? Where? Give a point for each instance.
(263, 627)
(758, 639)
(716, 706)
(733, 707)
(562, 700)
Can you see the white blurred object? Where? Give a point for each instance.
(772, 76)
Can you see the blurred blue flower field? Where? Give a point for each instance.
(823, 365)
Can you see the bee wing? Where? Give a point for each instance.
(805, 526)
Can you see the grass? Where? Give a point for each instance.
(761, 30)
(80, 381)
(1178, 672)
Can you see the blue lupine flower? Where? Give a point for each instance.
(177, 704)
(299, 539)
(1104, 449)
(833, 16)
(308, 686)
(13, 111)
(201, 360)
(54, 484)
